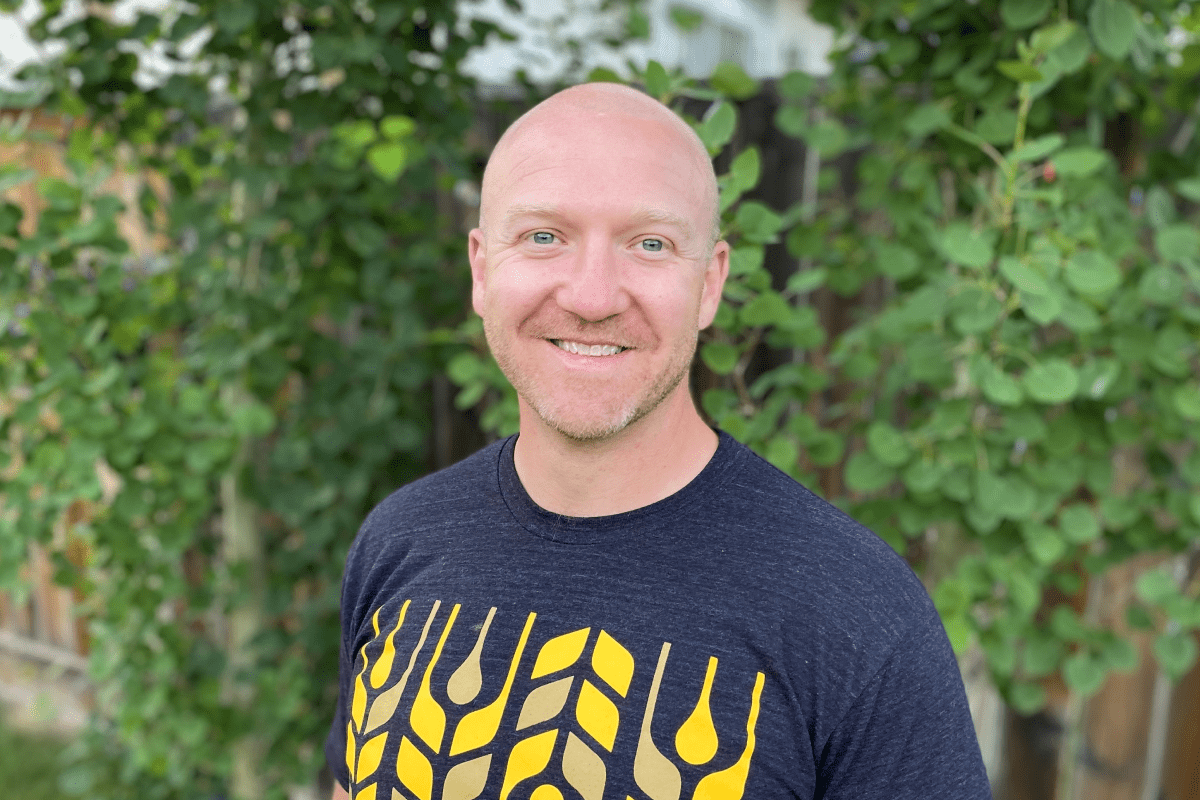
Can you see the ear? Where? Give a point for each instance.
(477, 253)
(715, 273)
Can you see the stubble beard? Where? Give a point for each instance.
(608, 424)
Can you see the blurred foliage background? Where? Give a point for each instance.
(963, 304)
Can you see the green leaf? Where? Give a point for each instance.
(1091, 272)
(796, 85)
(997, 125)
(1079, 316)
(1053, 36)
(1078, 524)
(1186, 399)
(1025, 278)
(1083, 674)
(1026, 698)
(1078, 162)
(1020, 14)
(745, 169)
(1179, 243)
(925, 120)
(397, 126)
(720, 357)
(604, 75)
(1113, 24)
(895, 260)
(1042, 309)
(1019, 71)
(829, 136)
(1097, 376)
(1070, 56)
(1176, 653)
(658, 82)
(1189, 188)
(888, 445)
(717, 128)
(1156, 587)
(757, 222)
(686, 19)
(1001, 388)
(251, 419)
(807, 280)
(1119, 655)
(865, 473)
(1052, 381)
(767, 309)
(731, 80)
(792, 120)
(1161, 286)
(964, 245)
(783, 453)
(388, 159)
(1037, 149)
(922, 476)
(1043, 542)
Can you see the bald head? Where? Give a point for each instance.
(581, 111)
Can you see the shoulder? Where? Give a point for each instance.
(815, 554)
(451, 496)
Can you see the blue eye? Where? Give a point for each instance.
(542, 237)
(653, 245)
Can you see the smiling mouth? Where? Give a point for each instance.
(588, 349)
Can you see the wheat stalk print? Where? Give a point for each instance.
(566, 726)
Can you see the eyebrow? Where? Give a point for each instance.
(638, 215)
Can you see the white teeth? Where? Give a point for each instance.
(587, 350)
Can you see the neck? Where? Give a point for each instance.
(650, 460)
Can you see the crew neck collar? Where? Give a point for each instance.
(588, 530)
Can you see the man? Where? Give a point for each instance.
(621, 602)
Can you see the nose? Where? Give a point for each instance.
(593, 287)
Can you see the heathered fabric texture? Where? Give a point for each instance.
(741, 638)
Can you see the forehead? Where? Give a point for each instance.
(597, 165)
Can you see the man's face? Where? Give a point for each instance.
(593, 272)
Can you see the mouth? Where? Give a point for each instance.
(581, 349)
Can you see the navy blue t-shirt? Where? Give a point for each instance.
(740, 638)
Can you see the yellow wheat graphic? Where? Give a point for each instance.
(568, 723)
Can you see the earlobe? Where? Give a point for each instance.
(714, 284)
(477, 254)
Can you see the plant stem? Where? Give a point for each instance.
(1010, 168)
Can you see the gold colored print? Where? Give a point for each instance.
(384, 707)
(560, 653)
(414, 770)
(366, 793)
(583, 769)
(597, 715)
(654, 772)
(544, 702)
(427, 718)
(613, 663)
(546, 792)
(528, 758)
(696, 740)
(730, 784)
(479, 727)
(467, 780)
(383, 665)
(369, 757)
(358, 705)
(467, 680)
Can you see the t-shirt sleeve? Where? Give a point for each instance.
(908, 735)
